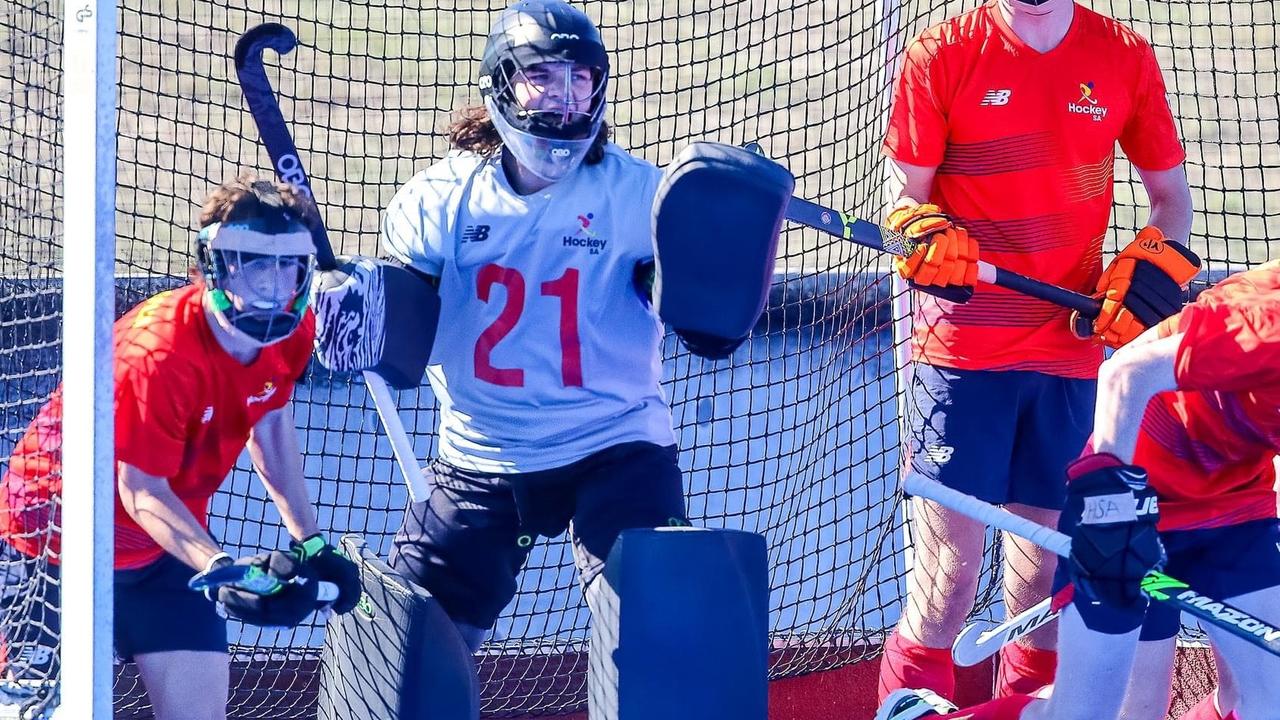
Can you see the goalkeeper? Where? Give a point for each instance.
(1195, 405)
(537, 232)
(1002, 134)
(202, 372)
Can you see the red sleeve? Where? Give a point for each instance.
(1230, 344)
(1150, 136)
(154, 408)
(917, 133)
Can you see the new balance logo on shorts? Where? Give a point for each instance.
(939, 454)
(996, 97)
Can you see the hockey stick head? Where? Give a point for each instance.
(261, 37)
(243, 576)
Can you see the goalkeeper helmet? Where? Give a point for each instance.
(548, 44)
(258, 273)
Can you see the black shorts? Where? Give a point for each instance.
(153, 610)
(468, 541)
(156, 612)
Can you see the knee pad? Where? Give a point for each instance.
(377, 316)
(717, 215)
(660, 588)
(397, 656)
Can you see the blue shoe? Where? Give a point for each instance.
(908, 704)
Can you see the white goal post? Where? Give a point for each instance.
(88, 303)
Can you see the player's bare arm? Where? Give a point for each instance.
(910, 181)
(273, 447)
(1170, 201)
(1126, 382)
(151, 502)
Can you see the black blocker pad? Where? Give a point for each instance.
(717, 214)
(378, 316)
(397, 656)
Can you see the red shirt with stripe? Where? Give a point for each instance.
(1210, 447)
(1024, 146)
(183, 411)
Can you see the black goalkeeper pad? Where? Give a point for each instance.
(397, 656)
(378, 316)
(680, 627)
(717, 215)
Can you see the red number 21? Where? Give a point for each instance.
(564, 287)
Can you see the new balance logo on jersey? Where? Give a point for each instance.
(939, 454)
(996, 97)
(207, 416)
(475, 233)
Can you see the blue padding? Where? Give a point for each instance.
(681, 621)
(717, 215)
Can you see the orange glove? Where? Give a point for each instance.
(945, 257)
(1144, 284)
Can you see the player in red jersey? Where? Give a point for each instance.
(1003, 132)
(1194, 404)
(202, 373)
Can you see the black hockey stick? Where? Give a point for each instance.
(869, 235)
(261, 98)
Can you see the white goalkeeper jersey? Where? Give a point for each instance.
(545, 351)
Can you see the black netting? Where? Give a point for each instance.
(794, 437)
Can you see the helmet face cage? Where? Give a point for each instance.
(261, 295)
(566, 122)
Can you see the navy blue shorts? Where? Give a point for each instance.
(467, 542)
(1222, 562)
(154, 611)
(1003, 436)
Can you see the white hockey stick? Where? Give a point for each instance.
(980, 640)
(1156, 584)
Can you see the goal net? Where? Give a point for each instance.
(795, 437)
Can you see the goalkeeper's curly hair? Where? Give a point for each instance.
(472, 130)
(274, 204)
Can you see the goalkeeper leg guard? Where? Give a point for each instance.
(397, 656)
(680, 627)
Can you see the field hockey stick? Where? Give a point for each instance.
(873, 236)
(1157, 585)
(980, 640)
(253, 579)
(265, 109)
